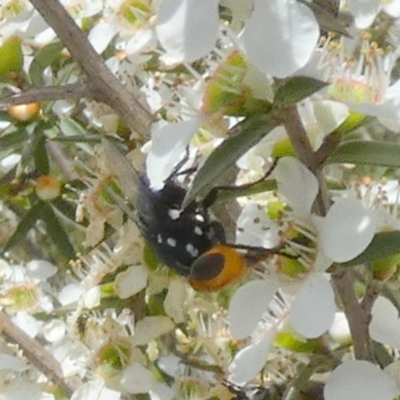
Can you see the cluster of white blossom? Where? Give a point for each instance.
(121, 325)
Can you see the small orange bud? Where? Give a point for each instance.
(47, 187)
(24, 112)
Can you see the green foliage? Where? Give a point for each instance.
(290, 91)
(250, 132)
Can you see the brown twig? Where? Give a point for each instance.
(103, 85)
(47, 93)
(37, 355)
(299, 139)
(356, 315)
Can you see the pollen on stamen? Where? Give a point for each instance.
(357, 78)
(91, 268)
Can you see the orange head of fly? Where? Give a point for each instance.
(217, 268)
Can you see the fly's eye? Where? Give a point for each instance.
(217, 268)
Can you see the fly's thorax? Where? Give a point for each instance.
(177, 236)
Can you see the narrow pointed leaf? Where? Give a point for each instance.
(250, 132)
(56, 232)
(295, 89)
(43, 58)
(367, 152)
(40, 156)
(25, 225)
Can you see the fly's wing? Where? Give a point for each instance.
(131, 183)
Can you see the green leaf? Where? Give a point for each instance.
(71, 128)
(25, 225)
(250, 189)
(250, 132)
(367, 152)
(35, 147)
(56, 232)
(17, 137)
(384, 244)
(40, 156)
(65, 207)
(43, 58)
(295, 89)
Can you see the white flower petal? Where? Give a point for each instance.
(313, 308)
(249, 361)
(296, 184)
(7, 361)
(255, 228)
(143, 40)
(101, 35)
(91, 297)
(388, 109)
(161, 391)
(385, 324)
(54, 330)
(364, 12)
(175, 299)
(247, 306)
(95, 390)
(70, 294)
(41, 269)
(340, 330)
(22, 391)
(27, 323)
(360, 380)
(347, 229)
(169, 364)
(137, 379)
(330, 114)
(131, 281)
(168, 145)
(280, 36)
(392, 7)
(150, 328)
(188, 29)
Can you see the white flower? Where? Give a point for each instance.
(169, 143)
(312, 309)
(188, 29)
(280, 36)
(365, 11)
(361, 80)
(95, 390)
(360, 379)
(385, 324)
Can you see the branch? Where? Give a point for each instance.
(299, 139)
(104, 86)
(46, 93)
(37, 355)
(356, 314)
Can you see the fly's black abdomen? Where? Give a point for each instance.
(177, 236)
